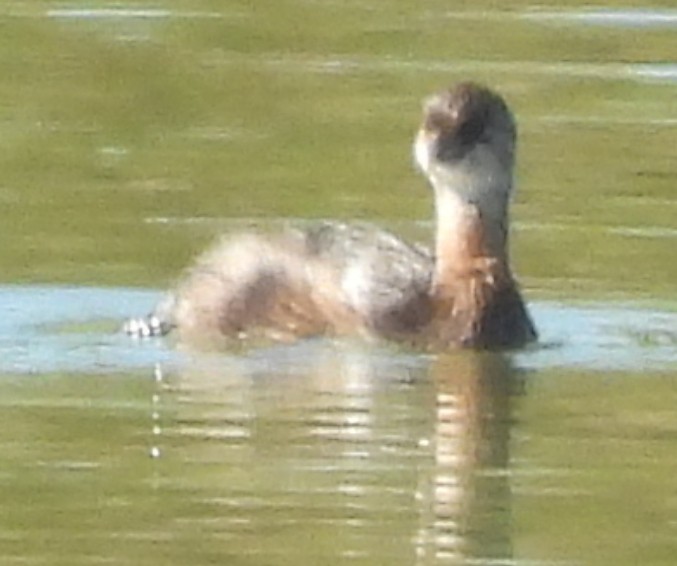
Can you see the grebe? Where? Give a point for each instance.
(338, 279)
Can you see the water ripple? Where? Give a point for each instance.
(628, 18)
(125, 13)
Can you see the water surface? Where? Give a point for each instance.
(131, 134)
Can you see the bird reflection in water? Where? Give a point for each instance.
(372, 454)
(465, 499)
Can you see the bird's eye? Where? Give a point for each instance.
(471, 130)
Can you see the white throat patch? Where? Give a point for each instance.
(422, 148)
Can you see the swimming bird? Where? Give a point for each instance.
(340, 279)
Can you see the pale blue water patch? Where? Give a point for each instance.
(77, 329)
(658, 71)
(602, 337)
(53, 329)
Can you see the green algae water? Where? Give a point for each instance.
(132, 134)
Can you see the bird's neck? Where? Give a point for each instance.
(471, 230)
